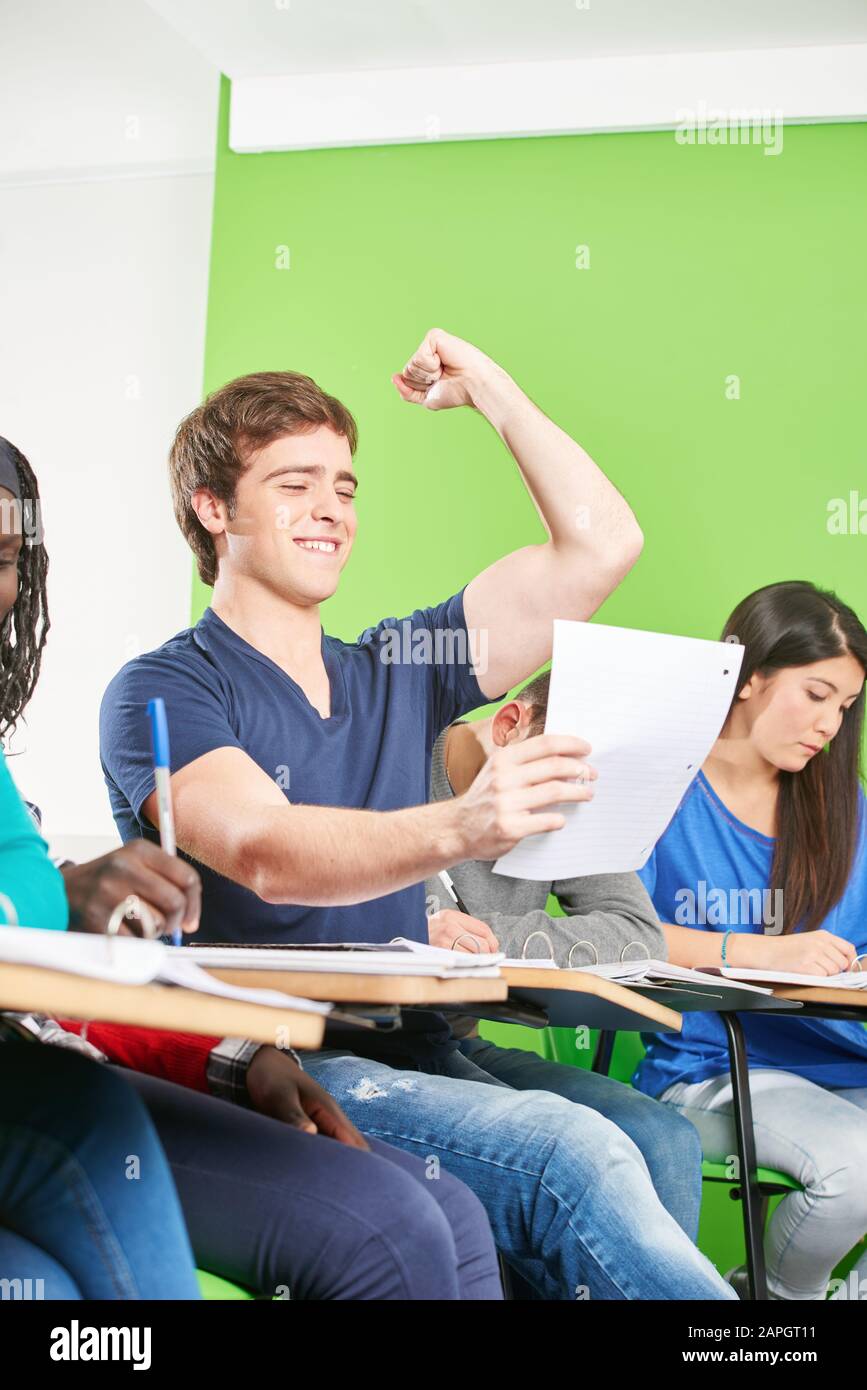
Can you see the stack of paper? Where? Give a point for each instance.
(398, 957)
(125, 960)
(648, 972)
(847, 979)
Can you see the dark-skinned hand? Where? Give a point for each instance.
(278, 1087)
(170, 887)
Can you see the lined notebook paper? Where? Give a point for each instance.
(651, 705)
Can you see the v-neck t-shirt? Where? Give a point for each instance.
(392, 692)
(373, 752)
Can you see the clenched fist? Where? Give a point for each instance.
(445, 371)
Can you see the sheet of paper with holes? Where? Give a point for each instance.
(651, 705)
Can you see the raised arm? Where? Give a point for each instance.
(593, 536)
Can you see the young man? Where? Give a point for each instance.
(608, 916)
(269, 1200)
(300, 779)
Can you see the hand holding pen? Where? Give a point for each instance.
(166, 890)
(455, 929)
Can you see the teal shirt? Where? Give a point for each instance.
(27, 876)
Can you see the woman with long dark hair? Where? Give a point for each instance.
(765, 865)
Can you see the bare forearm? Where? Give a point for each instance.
(692, 947)
(322, 857)
(579, 507)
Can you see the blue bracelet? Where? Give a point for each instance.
(724, 943)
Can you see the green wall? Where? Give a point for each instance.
(705, 261)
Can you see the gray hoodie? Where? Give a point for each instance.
(612, 911)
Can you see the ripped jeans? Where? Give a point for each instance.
(568, 1194)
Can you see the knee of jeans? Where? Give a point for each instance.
(676, 1137)
(842, 1178)
(593, 1146)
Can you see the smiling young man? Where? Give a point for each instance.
(300, 778)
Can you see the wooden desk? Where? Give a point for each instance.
(341, 988)
(32, 989)
(823, 994)
(574, 998)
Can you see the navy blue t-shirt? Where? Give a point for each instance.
(392, 693)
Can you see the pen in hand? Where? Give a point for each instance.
(162, 780)
(449, 885)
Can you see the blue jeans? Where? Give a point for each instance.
(669, 1144)
(87, 1202)
(817, 1136)
(271, 1207)
(568, 1194)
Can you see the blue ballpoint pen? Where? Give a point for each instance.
(162, 779)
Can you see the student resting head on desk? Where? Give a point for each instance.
(765, 862)
(269, 1201)
(300, 768)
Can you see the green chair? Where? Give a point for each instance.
(212, 1288)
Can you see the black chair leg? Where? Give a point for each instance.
(604, 1049)
(750, 1195)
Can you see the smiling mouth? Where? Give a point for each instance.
(321, 547)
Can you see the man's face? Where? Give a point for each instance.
(295, 520)
(10, 549)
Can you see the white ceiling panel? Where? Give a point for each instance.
(255, 38)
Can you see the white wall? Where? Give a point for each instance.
(107, 138)
(494, 100)
(336, 72)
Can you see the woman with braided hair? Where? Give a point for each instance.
(23, 570)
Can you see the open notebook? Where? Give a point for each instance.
(651, 706)
(398, 957)
(847, 979)
(124, 960)
(646, 972)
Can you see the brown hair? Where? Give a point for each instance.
(244, 415)
(788, 625)
(535, 695)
